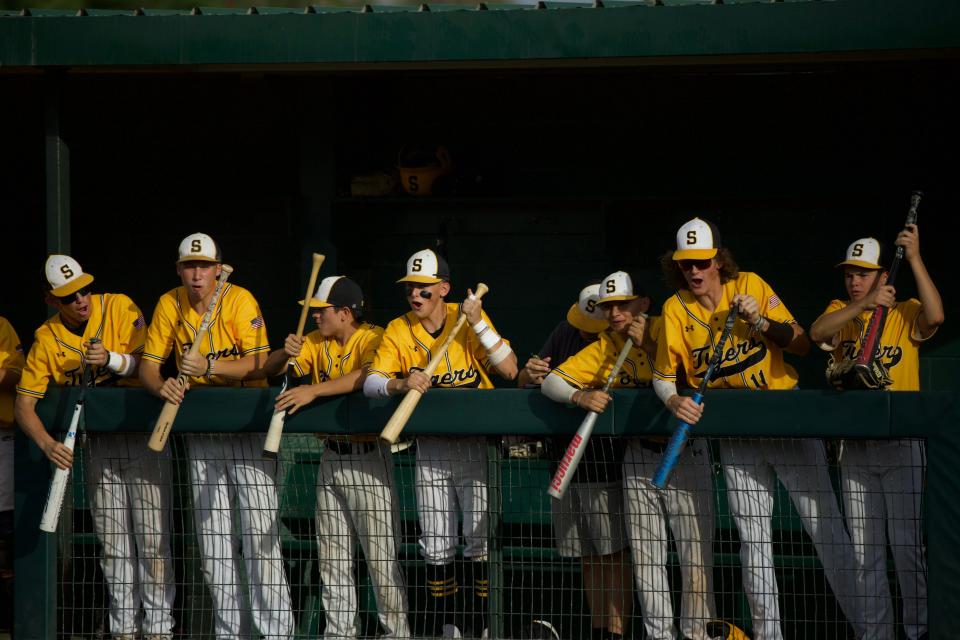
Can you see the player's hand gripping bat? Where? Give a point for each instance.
(871, 337)
(58, 484)
(574, 451)
(402, 413)
(272, 443)
(678, 440)
(161, 430)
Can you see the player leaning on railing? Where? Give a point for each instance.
(882, 480)
(709, 284)
(128, 485)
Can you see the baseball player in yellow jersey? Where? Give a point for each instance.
(451, 470)
(11, 364)
(224, 467)
(128, 485)
(687, 504)
(709, 284)
(356, 489)
(882, 480)
(588, 519)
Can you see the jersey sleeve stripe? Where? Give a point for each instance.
(28, 392)
(154, 358)
(382, 373)
(567, 377)
(255, 350)
(297, 370)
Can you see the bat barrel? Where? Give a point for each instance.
(675, 447)
(51, 512)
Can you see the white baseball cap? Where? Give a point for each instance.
(864, 253)
(618, 286)
(199, 246)
(426, 267)
(697, 239)
(585, 314)
(337, 291)
(65, 275)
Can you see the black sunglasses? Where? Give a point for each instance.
(701, 265)
(73, 296)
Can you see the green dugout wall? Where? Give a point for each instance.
(583, 135)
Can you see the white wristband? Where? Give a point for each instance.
(664, 390)
(488, 337)
(480, 327)
(120, 363)
(502, 353)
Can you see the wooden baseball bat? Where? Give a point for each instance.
(402, 413)
(574, 451)
(161, 430)
(272, 443)
(58, 484)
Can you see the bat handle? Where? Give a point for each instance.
(678, 442)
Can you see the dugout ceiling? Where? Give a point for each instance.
(582, 137)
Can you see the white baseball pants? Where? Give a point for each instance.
(223, 469)
(451, 476)
(882, 491)
(751, 469)
(686, 505)
(130, 503)
(357, 498)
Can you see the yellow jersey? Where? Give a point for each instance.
(898, 347)
(690, 333)
(406, 346)
(589, 368)
(57, 352)
(237, 330)
(324, 359)
(11, 357)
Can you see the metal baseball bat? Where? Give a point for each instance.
(58, 484)
(871, 337)
(678, 440)
(161, 430)
(271, 444)
(403, 412)
(574, 452)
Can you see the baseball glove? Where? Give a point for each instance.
(720, 630)
(847, 375)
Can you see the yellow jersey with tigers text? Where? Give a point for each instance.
(236, 330)
(406, 346)
(57, 352)
(324, 359)
(11, 357)
(690, 334)
(898, 347)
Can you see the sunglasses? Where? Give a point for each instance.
(73, 296)
(701, 265)
(425, 293)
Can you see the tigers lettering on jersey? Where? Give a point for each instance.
(591, 366)
(406, 347)
(11, 358)
(324, 359)
(57, 352)
(236, 331)
(690, 333)
(898, 347)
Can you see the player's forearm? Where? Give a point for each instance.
(246, 368)
(932, 315)
(507, 367)
(339, 386)
(557, 389)
(25, 411)
(150, 377)
(799, 342)
(830, 324)
(276, 362)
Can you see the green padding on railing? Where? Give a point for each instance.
(515, 411)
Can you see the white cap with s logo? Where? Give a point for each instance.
(65, 275)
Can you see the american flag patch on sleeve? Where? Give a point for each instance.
(257, 322)
(773, 302)
(139, 323)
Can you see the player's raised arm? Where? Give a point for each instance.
(932, 314)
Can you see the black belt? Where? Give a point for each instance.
(350, 448)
